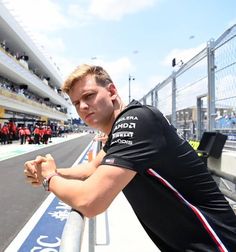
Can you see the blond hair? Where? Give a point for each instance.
(101, 76)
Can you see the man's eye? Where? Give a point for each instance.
(76, 104)
(89, 96)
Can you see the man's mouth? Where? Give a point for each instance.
(88, 116)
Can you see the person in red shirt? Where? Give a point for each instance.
(4, 134)
(44, 135)
(41, 132)
(27, 134)
(21, 133)
(36, 135)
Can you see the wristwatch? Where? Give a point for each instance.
(47, 180)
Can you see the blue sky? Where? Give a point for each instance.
(136, 37)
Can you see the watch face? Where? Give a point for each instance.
(45, 184)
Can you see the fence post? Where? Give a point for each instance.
(92, 234)
(156, 97)
(173, 114)
(211, 85)
(144, 100)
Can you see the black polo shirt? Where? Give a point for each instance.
(173, 194)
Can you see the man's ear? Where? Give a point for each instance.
(112, 90)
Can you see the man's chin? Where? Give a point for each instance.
(92, 124)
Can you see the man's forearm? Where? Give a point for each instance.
(80, 172)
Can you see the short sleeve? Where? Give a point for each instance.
(136, 140)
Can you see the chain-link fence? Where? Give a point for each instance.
(201, 95)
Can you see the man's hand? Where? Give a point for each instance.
(30, 172)
(45, 166)
(37, 170)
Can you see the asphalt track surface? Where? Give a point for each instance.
(18, 200)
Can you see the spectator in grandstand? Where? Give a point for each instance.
(167, 184)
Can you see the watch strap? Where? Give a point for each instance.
(47, 180)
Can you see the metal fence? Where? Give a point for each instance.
(201, 95)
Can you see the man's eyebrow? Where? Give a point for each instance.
(87, 92)
(75, 101)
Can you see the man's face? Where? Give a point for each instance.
(93, 103)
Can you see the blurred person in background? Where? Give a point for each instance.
(36, 135)
(27, 135)
(4, 134)
(21, 133)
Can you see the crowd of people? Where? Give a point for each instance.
(32, 135)
(23, 91)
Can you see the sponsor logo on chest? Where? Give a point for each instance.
(122, 134)
(125, 126)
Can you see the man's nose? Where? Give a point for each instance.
(83, 105)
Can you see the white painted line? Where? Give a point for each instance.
(25, 231)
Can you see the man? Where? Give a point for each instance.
(168, 186)
(36, 135)
(22, 134)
